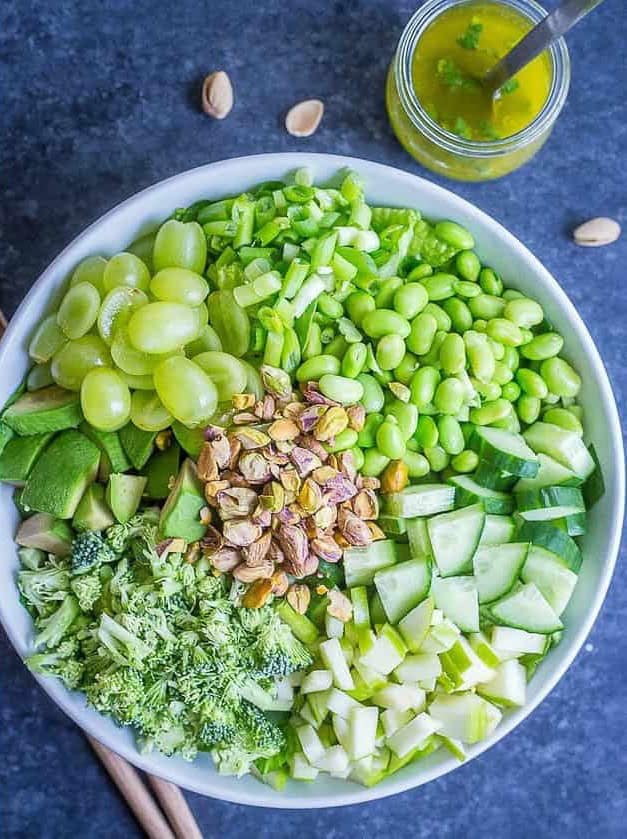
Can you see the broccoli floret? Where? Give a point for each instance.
(87, 588)
(142, 527)
(43, 588)
(61, 662)
(119, 693)
(53, 628)
(124, 647)
(257, 737)
(276, 650)
(89, 551)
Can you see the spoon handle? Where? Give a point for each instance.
(554, 25)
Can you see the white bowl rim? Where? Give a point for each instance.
(267, 797)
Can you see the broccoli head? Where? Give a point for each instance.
(141, 528)
(45, 587)
(276, 650)
(61, 662)
(257, 737)
(53, 628)
(87, 588)
(89, 551)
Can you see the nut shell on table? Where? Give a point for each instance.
(217, 95)
(303, 119)
(597, 232)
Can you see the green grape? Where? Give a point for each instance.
(207, 341)
(226, 372)
(203, 316)
(39, 376)
(180, 245)
(143, 249)
(179, 285)
(47, 340)
(186, 390)
(148, 412)
(163, 327)
(126, 269)
(117, 308)
(75, 359)
(90, 270)
(78, 310)
(105, 399)
(137, 382)
(130, 360)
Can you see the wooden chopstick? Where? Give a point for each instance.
(176, 808)
(3, 323)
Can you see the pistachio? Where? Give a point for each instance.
(597, 232)
(375, 531)
(221, 450)
(276, 381)
(243, 401)
(258, 594)
(275, 553)
(399, 390)
(272, 497)
(212, 488)
(340, 606)
(356, 417)
(303, 119)
(236, 502)
(290, 480)
(331, 423)
(217, 95)
(324, 474)
(338, 489)
(288, 516)
(163, 439)
(280, 583)
(268, 407)
(262, 517)
(283, 430)
(251, 438)
(204, 516)
(368, 482)
(226, 559)
(346, 463)
(244, 418)
(315, 447)
(248, 574)
(294, 544)
(293, 410)
(326, 548)
(171, 546)
(241, 532)
(299, 597)
(353, 529)
(256, 553)
(310, 497)
(325, 517)
(254, 468)
(365, 505)
(192, 553)
(309, 416)
(304, 460)
(235, 448)
(395, 477)
(213, 432)
(206, 465)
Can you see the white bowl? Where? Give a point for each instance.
(498, 248)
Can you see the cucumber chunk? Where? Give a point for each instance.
(457, 597)
(422, 500)
(574, 525)
(415, 625)
(566, 447)
(550, 473)
(403, 586)
(490, 478)
(594, 487)
(418, 537)
(454, 538)
(508, 687)
(551, 575)
(497, 567)
(497, 530)
(526, 608)
(505, 451)
(468, 491)
(361, 564)
(466, 717)
(554, 539)
(549, 503)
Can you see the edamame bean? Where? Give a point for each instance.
(337, 347)
(358, 457)
(576, 411)
(354, 360)
(454, 235)
(509, 423)
(374, 463)
(367, 436)
(385, 322)
(564, 418)
(489, 391)
(466, 461)
(480, 355)
(385, 295)
(531, 383)
(551, 399)
(498, 349)
(390, 351)
(505, 332)
(502, 373)
(423, 385)
(524, 312)
(449, 396)
(406, 415)
(441, 318)
(341, 389)
(417, 464)
(314, 368)
(373, 397)
(406, 369)
(528, 408)
(358, 305)
(422, 270)
(543, 346)
(437, 458)
(410, 300)
(344, 440)
(426, 432)
(422, 332)
(480, 325)
(432, 358)
(490, 412)
(390, 440)
(329, 306)
(468, 265)
(511, 358)
(510, 391)
(450, 435)
(560, 377)
(486, 306)
(490, 282)
(459, 313)
(440, 286)
(512, 294)
(465, 289)
(453, 354)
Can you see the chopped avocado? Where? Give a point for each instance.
(46, 533)
(180, 513)
(161, 471)
(49, 409)
(24, 511)
(124, 492)
(93, 512)
(6, 434)
(61, 475)
(113, 457)
(137, 444)
(19, 456)
(189, 439)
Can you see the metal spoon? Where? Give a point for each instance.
(554, 25)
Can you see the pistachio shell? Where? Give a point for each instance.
(303, 119)
(217, 95)
(597, 232)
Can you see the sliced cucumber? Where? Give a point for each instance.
(553, 539)
(402, 587)
(517, 642)
(484, 649)
(334, 660)
(392, 525)
(487, 476)
(361, 564)
(550, 473)
(595, 485)
(551, 575)
(505, 451)
(508, 687)
(387, 651)
(550, 503)
(468, 491)
(415, 625)
(464, 667)
(497, 530)
(421, 500)
(574, 525)
(466, 717)
(417, 668)
(457, 597)
(418, 536)
(526, 608)
(566, 447)
(454, 538)
(497, 567)
(413, 735)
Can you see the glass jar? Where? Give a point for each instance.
(447, 153)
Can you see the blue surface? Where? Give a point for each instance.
(100, 99)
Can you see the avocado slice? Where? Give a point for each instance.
(49, 409)
(124, 492)
(161, 470)
(47, 533)
(61, 475)
(180, 513)
(19, 456)
(6, 434)
(93, 512)
(113, 458)
(137, 444)
(190, 439)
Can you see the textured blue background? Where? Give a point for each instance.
(100, 99)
